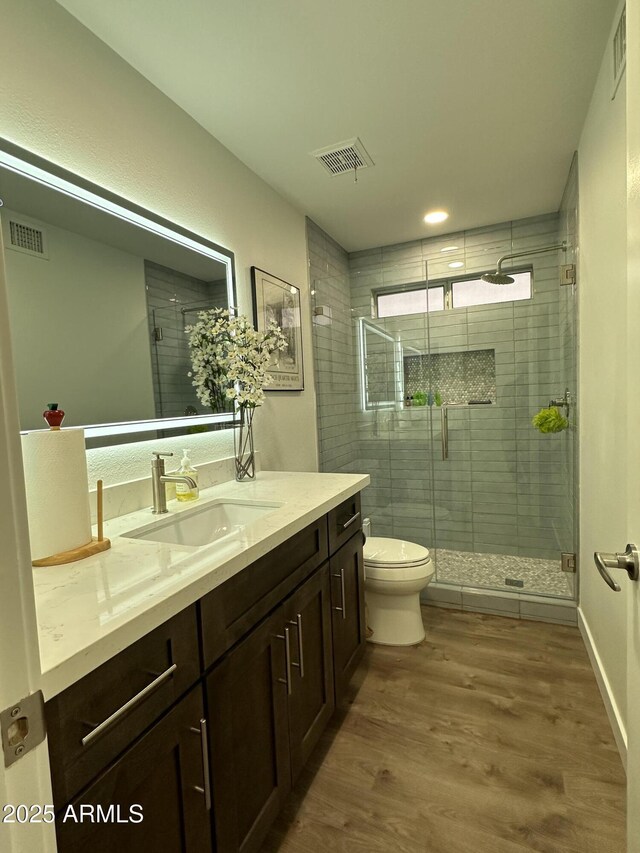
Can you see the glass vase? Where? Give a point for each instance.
(243, 445)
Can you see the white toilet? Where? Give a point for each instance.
(395, 573)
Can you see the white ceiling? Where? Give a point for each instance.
(475, 106)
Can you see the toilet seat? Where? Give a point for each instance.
(381, 551)
(396, 560)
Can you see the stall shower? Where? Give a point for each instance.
(428, 378)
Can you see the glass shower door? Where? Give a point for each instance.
(364, 423)
(503, 491)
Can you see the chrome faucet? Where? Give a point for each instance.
(158, 480)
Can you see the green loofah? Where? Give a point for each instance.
(550, 420)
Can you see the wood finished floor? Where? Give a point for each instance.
(489, 736)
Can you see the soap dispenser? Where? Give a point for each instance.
(183, 492)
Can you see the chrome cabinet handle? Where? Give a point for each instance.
(444, 416)
(206, 769)
(342, 609)
(287, 659)
(297, 623)
(139, 697)
(351, 520)
(629, 561)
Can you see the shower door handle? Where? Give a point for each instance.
(444, 416)
(629, 561)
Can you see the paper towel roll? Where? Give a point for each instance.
(55, 474)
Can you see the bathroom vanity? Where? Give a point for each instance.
(202, 724)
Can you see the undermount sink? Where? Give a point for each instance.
(204, 524)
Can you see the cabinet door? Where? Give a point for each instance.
(165, 774)
(347, 611)
(311, 703)
(167, 657)
(249, 737)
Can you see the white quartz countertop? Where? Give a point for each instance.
(90, 610)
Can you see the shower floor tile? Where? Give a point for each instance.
(467, 568)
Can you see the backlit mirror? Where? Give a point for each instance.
(100, 292)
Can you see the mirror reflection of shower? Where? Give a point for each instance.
(381, 359)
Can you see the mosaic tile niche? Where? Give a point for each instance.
(458, 376)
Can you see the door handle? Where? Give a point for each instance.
(287, 660)
(444, 417)
(206, 770)
(351, 521)
(128, 706)
(297, 623)
(629, 561)
(343, 600)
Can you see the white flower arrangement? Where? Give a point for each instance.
(230, 359)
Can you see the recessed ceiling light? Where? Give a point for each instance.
(449, 248)
(436, 216)
(456, 265)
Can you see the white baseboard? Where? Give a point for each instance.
(617, 724)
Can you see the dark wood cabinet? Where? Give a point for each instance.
(347, 611)
(269, 701)
(273, 647)
(311, 703)
(249, 737)
(161, 778)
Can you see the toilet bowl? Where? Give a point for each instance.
(395, 573)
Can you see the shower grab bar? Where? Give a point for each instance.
(444, 416)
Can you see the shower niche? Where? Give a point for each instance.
(457, 378)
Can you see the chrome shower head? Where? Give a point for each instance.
(498, 278)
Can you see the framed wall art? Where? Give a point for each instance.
(277, 300)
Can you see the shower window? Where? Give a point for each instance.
(411, 301)
(474, 291)
(451, 293)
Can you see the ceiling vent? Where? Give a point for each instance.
(343, 157)
(619, 51)
(26, 237)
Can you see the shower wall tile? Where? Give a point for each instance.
(548, 612)
(484, 602)
(443, 596)
(334, 352)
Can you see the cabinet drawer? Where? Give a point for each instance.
(95, 719)
(344, 521)
(163, 778)
(229, 612)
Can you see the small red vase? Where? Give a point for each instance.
(53, 415)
